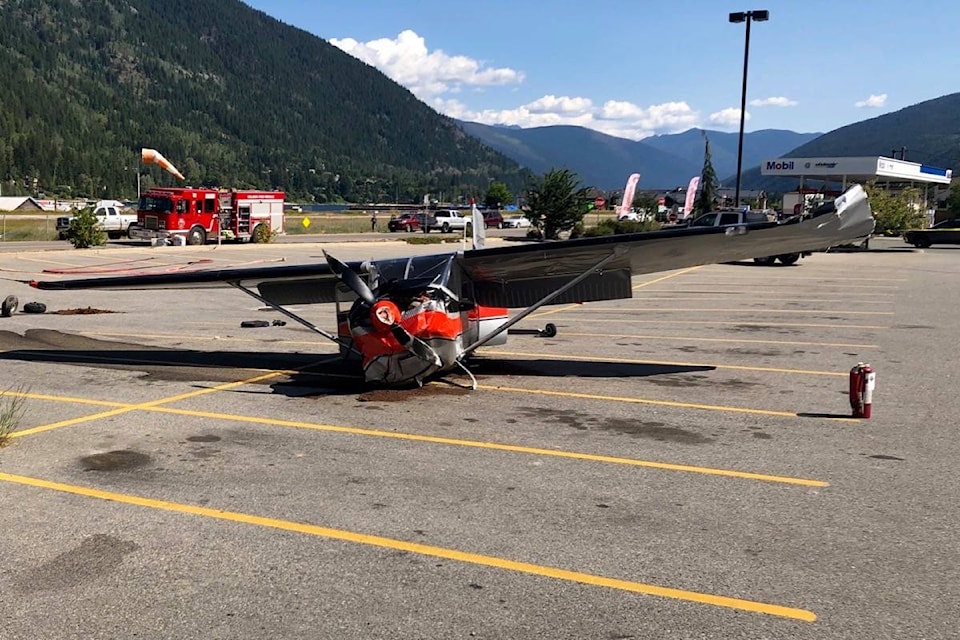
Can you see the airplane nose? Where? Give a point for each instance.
(384, 314)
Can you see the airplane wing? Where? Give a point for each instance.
(523, 275)
(289, 284)
(520, 276)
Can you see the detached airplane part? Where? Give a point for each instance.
(410, 318)
(152, 156)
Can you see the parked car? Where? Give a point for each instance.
(492, 219)
(944, 232)
(405, 222)
(447, 220)
(516, 222)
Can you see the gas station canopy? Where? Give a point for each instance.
(855, 169)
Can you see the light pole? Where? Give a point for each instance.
(745, 16)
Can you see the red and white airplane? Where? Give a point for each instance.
(410, 318)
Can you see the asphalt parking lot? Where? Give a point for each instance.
(679, 465)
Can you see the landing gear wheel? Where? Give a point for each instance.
(789, 258)
(34, 307)
(197, 235)
(10, 305)
(549, 330)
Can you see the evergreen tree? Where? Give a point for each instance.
(709, 185)
(556, 202)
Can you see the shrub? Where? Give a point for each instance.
(611, 227)
(85, 230)
(263, 233)
(11, 411)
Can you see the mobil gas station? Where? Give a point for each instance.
(828, 177)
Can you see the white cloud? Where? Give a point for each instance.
(616, 118)
(439, 79)
(727, 117)
(407, 61)
(875, 101)
(564, 105)
(774, 101)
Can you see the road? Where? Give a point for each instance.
(678, 465)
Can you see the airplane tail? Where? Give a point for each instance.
(479, 230)
(628, 192)
(152, 156)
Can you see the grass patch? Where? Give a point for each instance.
(12, 406)
(427, 239)
(331, 223)
(14, 229)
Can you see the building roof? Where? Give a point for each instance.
(856, 169)
(19, 203)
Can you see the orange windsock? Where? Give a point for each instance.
(152, 156)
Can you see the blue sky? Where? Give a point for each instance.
(636, 68)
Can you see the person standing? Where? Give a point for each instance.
(373, 221)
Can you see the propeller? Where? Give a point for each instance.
(384, 313)
(351, 278)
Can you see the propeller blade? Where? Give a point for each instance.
(351, 278)
(415, 345)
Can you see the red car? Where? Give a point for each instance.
(492, 219)
(406, 222)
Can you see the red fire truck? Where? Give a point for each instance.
(198, 215)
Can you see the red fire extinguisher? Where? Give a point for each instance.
(863, 379)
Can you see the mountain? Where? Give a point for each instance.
(605, 161)
(930, 132)
(757, 145)
(230, 95)
(600, 160)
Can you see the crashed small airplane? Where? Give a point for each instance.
(410, 318)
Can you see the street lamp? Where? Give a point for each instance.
(745, 16)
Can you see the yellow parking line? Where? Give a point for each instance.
(735, 367)
(754, 341)
(67, 399)
(635, 287)
(766, 278)
(659, 403)
(845, 296)
(750, 310)
(494, 446)
(666, 277)
(840, 284)
(729, 298)
(181, 337)
(144, 405)
(421, 549)
(773, 324)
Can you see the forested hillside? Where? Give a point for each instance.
(228, 94)
(600, 160)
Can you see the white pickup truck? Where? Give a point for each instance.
(447, 220)
(114, 221)
(728, 218)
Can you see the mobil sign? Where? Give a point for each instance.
(773, 166)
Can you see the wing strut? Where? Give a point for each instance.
(290, 314)
(616, 253)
